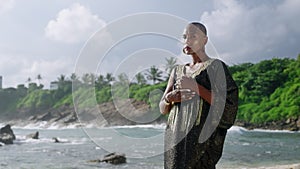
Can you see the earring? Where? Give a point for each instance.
(184, 51)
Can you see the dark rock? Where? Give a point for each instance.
(32, 118)
(288, 124)
(7, 135)
(33, 135)
(6, 138)
(55, 140)
(288, 121)
(114, 158)
(294, 128)
(71, 119)
(298, 122)
(95, 161)
(45, 117)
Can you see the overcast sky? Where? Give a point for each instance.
(46, 37)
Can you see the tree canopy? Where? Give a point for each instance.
(268, 90)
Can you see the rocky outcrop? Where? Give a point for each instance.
(64, 114)
(128, 112)
(291, 124)
(7, 135)
(33, 135)
(112, 158)
(55, 139)
(298, 122)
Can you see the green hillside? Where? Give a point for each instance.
(268, 91)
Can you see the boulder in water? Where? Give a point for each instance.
(114, 158)
(7, 135)
(55, 140)
(33, 135)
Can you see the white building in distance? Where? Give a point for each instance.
(53, 85)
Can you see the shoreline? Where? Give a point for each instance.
(286, 166)
(289, 124)
(277, 166)
(43, 125)
(66, 116)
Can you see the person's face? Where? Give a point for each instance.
(194, 39)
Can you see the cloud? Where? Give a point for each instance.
(242, 32)
(74, 24)
(26, 67)
(6, 5)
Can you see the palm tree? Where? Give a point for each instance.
(100, 81)
(123, 78)
(140, 78)
(61, 80)
(28, 80)
(109, 78)
(74, 77)
(171, 63)
(86, 79)
(39, 78)
(92, 78)
(154, 74)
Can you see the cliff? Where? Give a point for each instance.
(106, 114)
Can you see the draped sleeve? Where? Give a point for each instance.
(220, 71)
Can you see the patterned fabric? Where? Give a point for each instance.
(196, 130)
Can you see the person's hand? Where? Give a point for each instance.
(188, 83)
(180, 95)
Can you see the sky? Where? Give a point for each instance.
(48, 37)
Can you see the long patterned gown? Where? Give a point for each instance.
(196, 130)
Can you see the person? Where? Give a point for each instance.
(201, 99)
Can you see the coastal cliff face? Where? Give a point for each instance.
(291, 124)
(106, 114)
(130, 112)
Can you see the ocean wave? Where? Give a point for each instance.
(25, 140)
(154, 126)
(44, 125)
(57, 126)
(240, 130)
(237, 129)
(274, 131)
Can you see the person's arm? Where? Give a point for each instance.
(165, 105)
(171, 96)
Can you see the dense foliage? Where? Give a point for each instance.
(268, 91)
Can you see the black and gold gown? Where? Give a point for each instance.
(196, 130)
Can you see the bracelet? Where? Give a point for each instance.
(166, 102)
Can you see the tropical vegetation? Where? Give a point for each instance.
(268, 90)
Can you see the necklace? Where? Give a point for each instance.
(181, 71)
(189, 70)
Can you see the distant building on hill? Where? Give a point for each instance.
(0, 82)
(53, 85)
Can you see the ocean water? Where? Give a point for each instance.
(143, 146)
